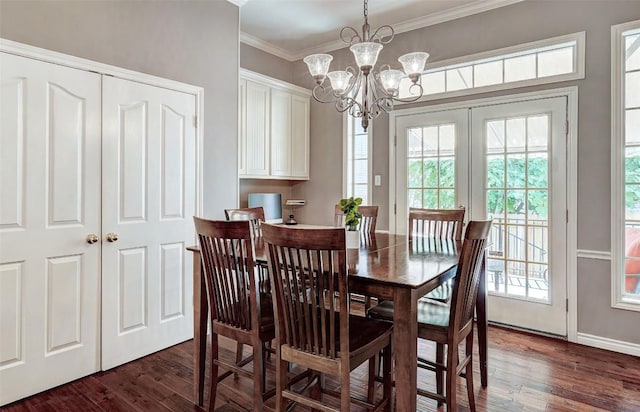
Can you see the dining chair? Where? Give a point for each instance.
(368, 218)
(451, 324)
(237, 309)
(367, 228)
(255, 215)
(428, 224)
(308, 272)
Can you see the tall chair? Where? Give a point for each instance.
(443, 224)
(236, 307)
(452, 324)
(436, 223)
(368, 220)
(255, 215)
(309, 280)
(367, 228)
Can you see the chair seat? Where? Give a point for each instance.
(366, 331)
(430, 312)
(267, 320)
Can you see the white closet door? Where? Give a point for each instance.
(148, 194)
(49, 203)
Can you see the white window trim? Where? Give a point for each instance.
(345, 159)
(579, 64)
(617, 166)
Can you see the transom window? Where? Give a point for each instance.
(551, 60)
(626, 165)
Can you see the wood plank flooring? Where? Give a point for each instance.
(526, 373)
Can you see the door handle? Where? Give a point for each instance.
(112, 237)
(92, 238)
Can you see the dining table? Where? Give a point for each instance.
(388, 267)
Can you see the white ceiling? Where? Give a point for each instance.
(292, 29)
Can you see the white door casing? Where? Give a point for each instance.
(149, 175)
(49, 203)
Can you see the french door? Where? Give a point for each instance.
(506, 162)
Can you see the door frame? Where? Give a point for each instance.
(571, 93)
(50, 56)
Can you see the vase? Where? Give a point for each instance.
(353, 239)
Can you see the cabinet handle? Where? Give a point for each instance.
(92, 238)
(112, 237)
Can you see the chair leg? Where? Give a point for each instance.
(387, 377)
(281, 380)
(239, 349)
(214, 372)
(371, 385)
(469, 371)
(258, 376)
(452, 364)
(439, 370)
(345, 390)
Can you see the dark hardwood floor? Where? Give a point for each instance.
(527, 373)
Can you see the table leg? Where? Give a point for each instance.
(481, 313)
(200, 314)
(405, 348)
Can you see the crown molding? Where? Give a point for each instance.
(238, 3)
(266, 46)
(413, 24)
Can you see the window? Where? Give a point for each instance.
(357, 170)
(547, 61)
(625, 69)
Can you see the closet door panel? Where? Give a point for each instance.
(49, 203)
(148, 206)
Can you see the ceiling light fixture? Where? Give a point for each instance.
(377, 91)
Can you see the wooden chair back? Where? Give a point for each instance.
(436, 223)
(307, 267)
(467, 277)
(229, 270)
(368, 220)
(255, 215)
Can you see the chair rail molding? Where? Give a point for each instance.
(593, 254)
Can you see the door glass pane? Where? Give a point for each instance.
(431, 174)
(517, 196)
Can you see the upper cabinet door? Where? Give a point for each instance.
(256, 129)
(280, 133)
(300, 136)
(242, 132)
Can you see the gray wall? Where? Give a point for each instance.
(519, 23)
(194, 42)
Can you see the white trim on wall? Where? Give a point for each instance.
(571, 93)
(617, 165)
(593, 254)
(50, 56)
(609, 344)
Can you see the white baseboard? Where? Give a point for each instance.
(609, 344)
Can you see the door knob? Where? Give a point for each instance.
(112, 237)
(92, 238)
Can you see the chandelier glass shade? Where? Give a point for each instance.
(363, 92)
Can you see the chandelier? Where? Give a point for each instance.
(377, 91)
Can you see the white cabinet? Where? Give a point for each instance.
(274, 129)
(254, 129)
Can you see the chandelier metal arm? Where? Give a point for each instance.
(380, 37)
(355, 36)
(376, 90)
